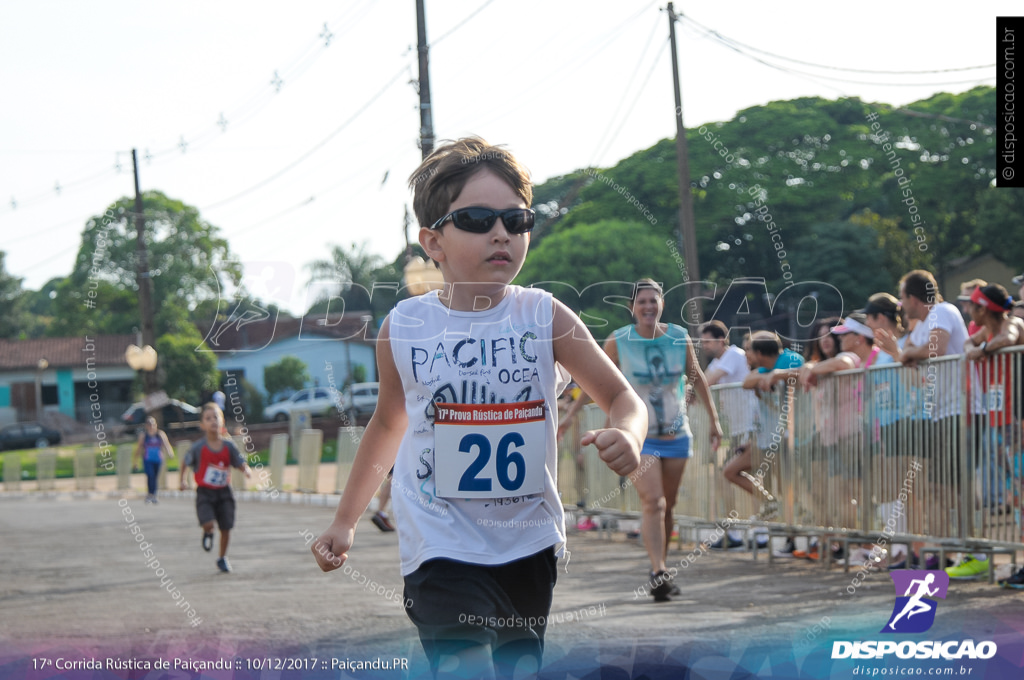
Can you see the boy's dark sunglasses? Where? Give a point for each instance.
(481, 220)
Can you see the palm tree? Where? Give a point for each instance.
(354, 270)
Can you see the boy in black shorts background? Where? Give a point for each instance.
(212, 459)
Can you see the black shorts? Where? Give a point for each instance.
(216, 504)
(456, 606)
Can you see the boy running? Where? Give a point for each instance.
(212, 459)
(469, 377)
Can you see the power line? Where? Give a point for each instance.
(40, 232)
(253, 105)
(461, 23)
(345, 181)
(602, 42)
(636, 98)
(824, 66)
(809, 78)
(315, 147)
(739, 48)
(622, 100)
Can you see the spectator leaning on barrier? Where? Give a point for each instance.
(1000, 329)
(940, 331)
(728, 366)
(822, 342)
(997, 329)
(884, 317)
(738, 406)
(856, 342)
(963, 300)
(974, 395)
(895, 404)
(771, 364)
(858, 351)
(1018, 306)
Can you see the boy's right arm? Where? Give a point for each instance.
(375, 456)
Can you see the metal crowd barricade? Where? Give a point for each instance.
(46, 470)
(891, 454)
(124, 466)
(12, 472)
(85, 470)
(994, 445)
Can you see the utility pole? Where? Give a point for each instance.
(143, 278)
(426, 118)
(687, 228)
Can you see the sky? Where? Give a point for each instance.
(296, 129)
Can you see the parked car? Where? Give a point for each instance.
(177, 416)
(319, 401)
(360, 399)
(27, 436)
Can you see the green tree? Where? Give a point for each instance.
(13, 321)
(847, 256)
(188, 259)
(290, 373)
(96, 307)
(790, 165)
(999, 214)
(252, 402)
(186, 365)
(585, 264)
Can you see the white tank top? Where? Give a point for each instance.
(499, 356)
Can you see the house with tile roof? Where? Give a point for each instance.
(82, 371)
(331, 346)
(69, 371)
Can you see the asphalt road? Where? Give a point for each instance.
(76, 586)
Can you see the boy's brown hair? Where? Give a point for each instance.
(439, 179)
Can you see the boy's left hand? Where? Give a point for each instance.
(617, 448)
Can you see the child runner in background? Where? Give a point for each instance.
(467, 412)
(212, 459)
(154, 443)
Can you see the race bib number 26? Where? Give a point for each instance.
(489, 450)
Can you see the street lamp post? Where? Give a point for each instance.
(422, 276)
(41, 366)
(145, 359)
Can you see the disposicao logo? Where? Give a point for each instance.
(914, 612)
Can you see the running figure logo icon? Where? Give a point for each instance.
(914, 611)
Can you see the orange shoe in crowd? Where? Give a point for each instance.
(810, 554)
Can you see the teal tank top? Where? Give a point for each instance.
(656, 368)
